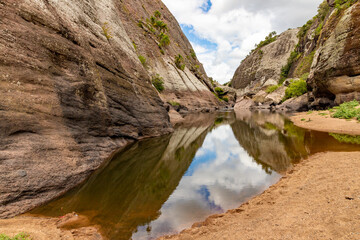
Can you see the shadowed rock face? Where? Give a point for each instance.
(70, 96)
(336, 67)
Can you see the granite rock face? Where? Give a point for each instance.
(336, 67)
(326, 54)
(262, 67)
(72, 90)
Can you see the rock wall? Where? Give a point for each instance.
(327, 55)
(263, 66)
(189, 87)
(336, 68)
(72, 90)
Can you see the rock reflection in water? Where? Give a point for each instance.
(211, 163)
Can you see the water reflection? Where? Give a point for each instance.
(211, 163)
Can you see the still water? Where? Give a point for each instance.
(210, 164)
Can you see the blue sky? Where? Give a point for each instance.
(223, 32)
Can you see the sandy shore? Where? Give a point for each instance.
(321, 121)
(68, 227)
(318, 199)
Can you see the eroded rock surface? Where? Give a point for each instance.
(336, 67)
(72, 90)
(262, 67)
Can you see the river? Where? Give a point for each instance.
(211, 163)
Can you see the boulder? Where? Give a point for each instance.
(294, 104)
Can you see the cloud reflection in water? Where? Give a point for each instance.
(221, 176)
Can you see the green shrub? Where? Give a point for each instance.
(304, 65)
(226, 99)
(134, 45)
(323, 10)
(273, 88)
(157, 14)
(344, 4)
(20, 236)
(158, 82)
(160, 25)
(179, 62)
(219, 91)
(268, 39)
(294, 56)
(164, 39)
(106, 30)
(174, 104)
(305, 28)
(295, 89)
(347, 110)
(318, 29)
(193, 54)
(142, 60)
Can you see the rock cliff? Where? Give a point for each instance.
(74, 87)
(335, 71)
(325, 53)
(263, 66)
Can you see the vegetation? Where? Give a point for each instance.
(193, 54)
(273, 88)
(158, 82)
(285, 70)
(134, 45)
(142, 60)
(174, 104)
(343, 4)
(343, 138)
(164, 40)
(295, 89)
(106, 30)
(347, 110)
(268, 39)
(20, 236)
(305, 28)
(219, 91)
(226, 99)
(155, 25)
(157, 14)
(304, 65)
(212, 81)
(179, 62)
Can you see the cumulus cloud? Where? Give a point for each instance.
(224, 31)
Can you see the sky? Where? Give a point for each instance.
(222, 32)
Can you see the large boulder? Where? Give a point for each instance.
(297, 104)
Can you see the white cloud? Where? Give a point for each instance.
(235, 26)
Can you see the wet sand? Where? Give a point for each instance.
(68, 227)
(318, 199)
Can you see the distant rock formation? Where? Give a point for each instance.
(263, 66)
(326, 53)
